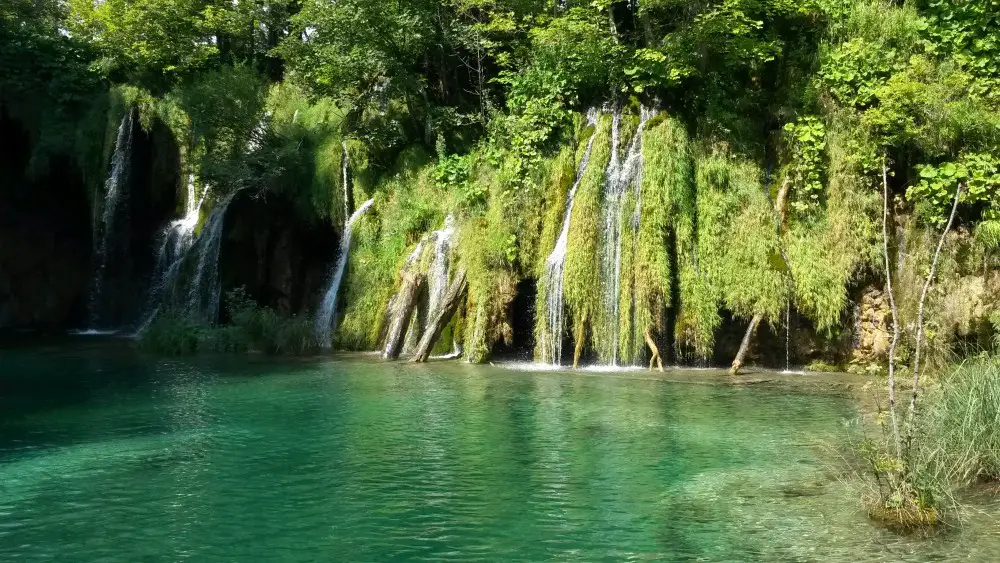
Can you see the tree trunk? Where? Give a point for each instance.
(781, 203)
(456, 291)
(892, 308)
(405, 301)
(656, 351)
(781, 215)
(920, 316)
(745, 345)
(387, 315)
(581, 328)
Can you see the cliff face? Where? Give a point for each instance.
(150, 202)
(45, 237)
(282, 260)
(47, 232)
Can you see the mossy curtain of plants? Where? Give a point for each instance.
(474, 109)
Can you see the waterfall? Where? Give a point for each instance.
(620, 176)
(555, 264)
(113, 188)
(204, 288)
(327, 313)
(788, 336)
(175, 242)
(437, 277)
(437, 282)
(344, 163)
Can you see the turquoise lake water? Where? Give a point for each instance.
(109, 455)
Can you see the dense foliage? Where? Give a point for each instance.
(776, 117)
(755, 190)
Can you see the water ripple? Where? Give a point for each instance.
(351, 459)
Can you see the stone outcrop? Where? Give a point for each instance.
(872, 327)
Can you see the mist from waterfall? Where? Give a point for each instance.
(555, 264)
(326, 317)
(114, 187)
(620, 177)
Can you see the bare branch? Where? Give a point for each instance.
(920, 313)
(892, 305)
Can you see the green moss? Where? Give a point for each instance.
(646, 261)
(561, 177)
(726, 251)
(825, 252)
(483, 252)
(820, 366)
(582, 282)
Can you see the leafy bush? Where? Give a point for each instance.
(224, 340)
(262, 329)
(820, 366)
(171, 334)
(254, 328)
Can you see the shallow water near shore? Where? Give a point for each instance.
(109, 454)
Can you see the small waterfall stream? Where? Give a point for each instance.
(204, 289)
(113, 188)
(556, 262)
(788, 336)
(437, 277)
(620, 176)
(344, 164)
(326, 317)
(437, 281)
(175, 242)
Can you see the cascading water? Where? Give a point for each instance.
(437, 277)
(326, 317)
(344, 164)
(113, 188)
(175, 242)
(620, 176)
(437, 282)
(204, 289)
(788, 336)
(556, 262)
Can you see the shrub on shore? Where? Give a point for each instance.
(961, 424)
(253, 328)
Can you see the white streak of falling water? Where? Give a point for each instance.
(327, 312)
(437, 284)
(112, 196)
(204, 288)
(175, 242)
(345, 162)
(555, 264)
(788, 336)
(437, 277)
(621, 175)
